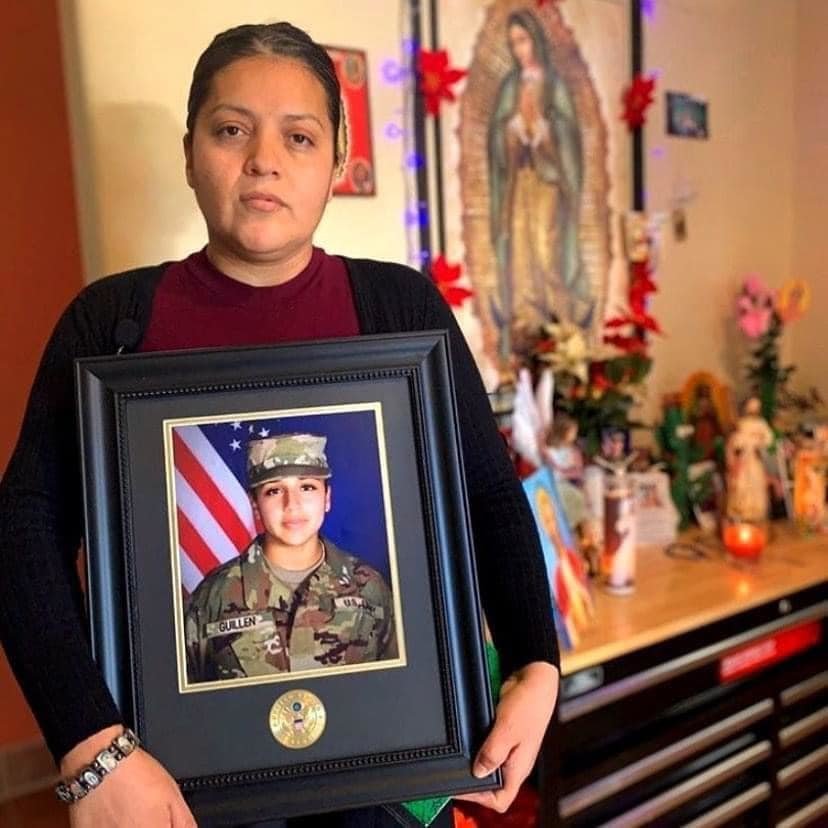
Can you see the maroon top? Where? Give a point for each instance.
(197, 306)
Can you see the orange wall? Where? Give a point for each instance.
(41, 267)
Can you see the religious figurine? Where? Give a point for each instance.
(564, 459)
(614, 456)
(561, 452)
(706, 426)
(705, 401)
(809, 480)
(745, 457)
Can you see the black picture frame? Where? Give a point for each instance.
(392, 735)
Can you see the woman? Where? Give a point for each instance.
(260, 154)
(535, 180)
(293, 600)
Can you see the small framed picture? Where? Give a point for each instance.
(358, 176)
(686, 116)
(281, 586)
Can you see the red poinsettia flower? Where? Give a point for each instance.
(546, 346)
(444, 276)
(637, 320)
(634, 341)
(436, 78)
(640, 270)
(638, 301)
(640, 277)
(627, 344)
(638, 296)
(598, 378)
(637, 98)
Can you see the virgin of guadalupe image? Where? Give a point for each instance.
(535, 176)
(534, 182)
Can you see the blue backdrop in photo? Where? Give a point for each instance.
(356, 521)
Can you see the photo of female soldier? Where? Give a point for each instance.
(293, 600)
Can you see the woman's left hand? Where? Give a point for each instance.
(527, 700)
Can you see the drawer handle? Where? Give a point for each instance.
(806, 815)
(797, 731)
(645, 813)
(627, 777)
(733, 807)
(804, 689)
(802, 767)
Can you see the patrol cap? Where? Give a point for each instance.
(286, 455)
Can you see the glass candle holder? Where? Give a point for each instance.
(744, 540)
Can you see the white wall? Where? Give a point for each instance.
(739, 55)
(810, 335)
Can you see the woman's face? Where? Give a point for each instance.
(520, 42)
(260, 159)
(292, 509)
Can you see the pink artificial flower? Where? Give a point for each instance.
(754, 286)
(754, 307)
(755, 321)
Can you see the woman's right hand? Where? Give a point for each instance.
(138, 793)
(529, 103)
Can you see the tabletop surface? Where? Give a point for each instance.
(676, 594)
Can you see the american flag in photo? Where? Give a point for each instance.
(215, 519)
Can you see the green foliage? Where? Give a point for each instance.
(768, 377)
(596, 407)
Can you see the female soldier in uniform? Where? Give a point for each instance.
(292, 601)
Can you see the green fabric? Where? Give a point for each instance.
(426, 810)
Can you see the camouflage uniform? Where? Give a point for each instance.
(243, 621)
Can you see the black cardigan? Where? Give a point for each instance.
(42, 620)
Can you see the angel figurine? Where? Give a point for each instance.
(561, 452)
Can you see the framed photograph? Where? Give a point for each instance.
(357, 176)
(686, 116)
(281, 586)
(656, 516)
(529, 172)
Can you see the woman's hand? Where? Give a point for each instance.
(138, 793)
(527, 700)
(529, 101)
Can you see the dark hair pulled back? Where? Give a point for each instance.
(265, 39)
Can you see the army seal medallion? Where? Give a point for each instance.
(297, 719)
